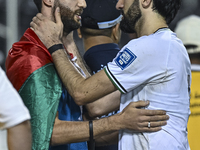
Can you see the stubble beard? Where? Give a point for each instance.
(130, 19)
(67, 17)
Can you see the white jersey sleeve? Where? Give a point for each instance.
(12, 108)
(137, 63)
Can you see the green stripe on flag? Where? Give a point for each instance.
(41, 93)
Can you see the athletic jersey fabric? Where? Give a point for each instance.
(98, 56)
(155, 68)
(12, 109)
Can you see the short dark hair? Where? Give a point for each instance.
(167, 8)
(38, 3)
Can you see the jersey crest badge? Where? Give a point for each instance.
(125, 58)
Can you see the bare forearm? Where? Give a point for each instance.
(130, 118)
(72, 132)
(82, 90)
(19, 137)
(105, 105)
(109, 139)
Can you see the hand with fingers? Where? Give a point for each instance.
(142, 120)
(49, 32)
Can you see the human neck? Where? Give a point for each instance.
(95, 40)
(147, 25)
(69, 43)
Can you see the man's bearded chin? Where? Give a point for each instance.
(69, 24)
(125, 26)
(67, 17)
(130, 19)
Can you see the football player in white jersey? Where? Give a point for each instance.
(154, 67)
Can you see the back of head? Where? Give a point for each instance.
(38, 3)
(100, 14)
(167, 8)
(188, 30)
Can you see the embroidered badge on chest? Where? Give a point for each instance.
(125, 58)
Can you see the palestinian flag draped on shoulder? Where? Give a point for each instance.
(30, 69)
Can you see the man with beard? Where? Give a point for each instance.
(154, 67)
(30, 68)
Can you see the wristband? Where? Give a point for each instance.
(91, 143)
(55, 48)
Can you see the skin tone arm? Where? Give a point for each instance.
(130, 118)
(66, 131)
(82, 90)
(99, 107)
(19, 136)
(105, 105)
(111, 138)
(74, 135)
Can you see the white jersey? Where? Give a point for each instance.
(12, 109)
(155, 68)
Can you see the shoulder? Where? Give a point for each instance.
(29, 52)
(157, 44)
(145, 43)
(23, 59)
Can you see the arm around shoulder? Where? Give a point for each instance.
(130, 118)
(105, 105)
(82, 90)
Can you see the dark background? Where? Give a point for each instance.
(27, 9)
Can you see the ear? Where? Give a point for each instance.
(48, 3)
(146, 3)
(116, 33)
(79, 33)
